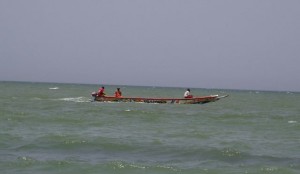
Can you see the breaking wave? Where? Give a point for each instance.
(76, 99)
(54, 88)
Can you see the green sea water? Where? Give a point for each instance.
(55, 128)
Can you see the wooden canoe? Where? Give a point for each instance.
(195, 100)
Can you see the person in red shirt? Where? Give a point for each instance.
(101, 92)
(118, 93)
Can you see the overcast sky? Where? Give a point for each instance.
(231, 44)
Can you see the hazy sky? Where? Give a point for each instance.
(235, 44)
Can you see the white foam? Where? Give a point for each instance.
(76, 99)
(54, 88)
(292, 121)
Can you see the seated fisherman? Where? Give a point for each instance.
(187, 94)
(101, 92)
(118, 93)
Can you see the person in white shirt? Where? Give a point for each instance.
(187, 94)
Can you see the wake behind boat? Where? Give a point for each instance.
(194, 100)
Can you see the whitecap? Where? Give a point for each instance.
(292, 121)
(54, 88)
(76, 99)
(127, 110)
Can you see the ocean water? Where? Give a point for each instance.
(55, 128)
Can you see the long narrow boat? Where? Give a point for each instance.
(195, 100)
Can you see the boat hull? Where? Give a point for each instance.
(196, 100)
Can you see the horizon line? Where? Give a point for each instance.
(77, 83)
